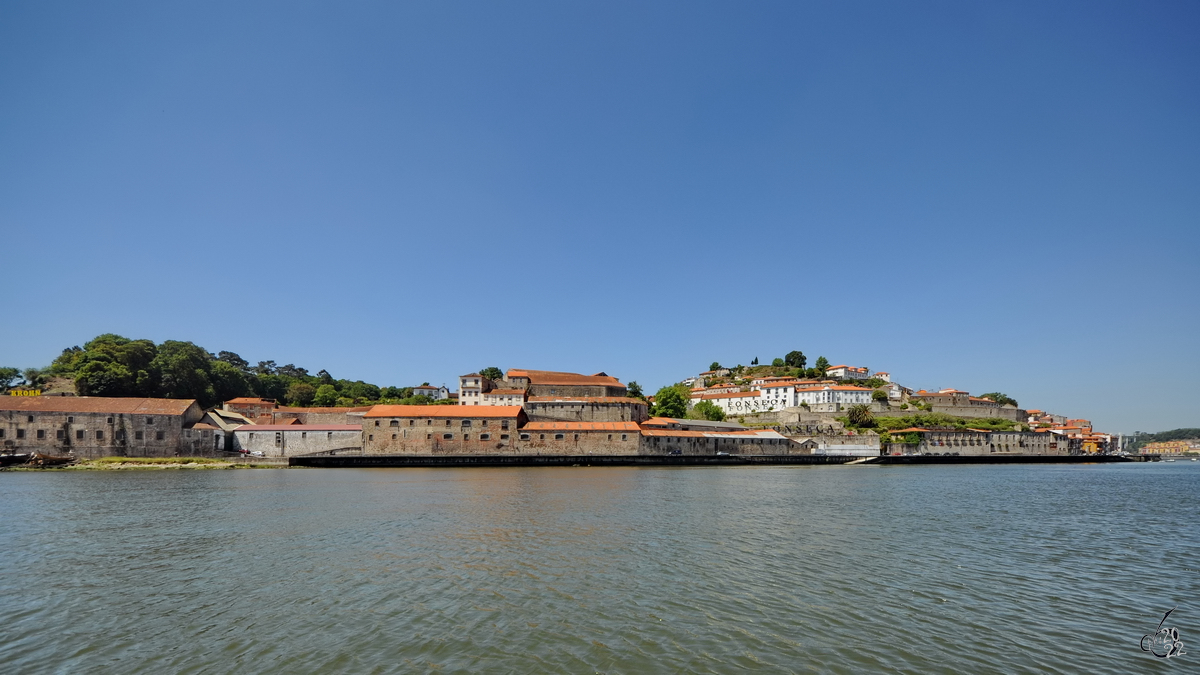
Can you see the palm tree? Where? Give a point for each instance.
(860, 416)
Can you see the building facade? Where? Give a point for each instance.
(90, 427)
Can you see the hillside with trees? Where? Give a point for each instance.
(112, 365)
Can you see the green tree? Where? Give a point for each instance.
(669, 402)
(754, 362)
(860, 416)
(270, 386)
(105, 378)
(1002, 399)
(778, 363)
(183, 368)
(301, 393)
(228, 381)
(634, 390)
(879, 395)
(8, 376)
(234, 360)
(714, 366)
(822, 365)
(795, 359)
(67, 362)
(325, 396)
(492, 373)
(707, 410)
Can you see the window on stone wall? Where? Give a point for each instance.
(447, 422)
(466, 423)
(504, 437)
(41, 433)
(79, 434)
(109, 420)
(59, 434)
(395, 423)
(485, 437)
(623, 437)
(20, 433)
(158, 435)
(149, 420)
(558, 437)
(428, 437)
(30, 418)
(1, 433)
(137, 435)
(447, 437)
(70, 420)
(524, 437)
(411, 422)
(541, 437)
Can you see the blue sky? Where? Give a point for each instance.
(987, 196)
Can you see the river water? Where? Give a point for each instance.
(910, 569)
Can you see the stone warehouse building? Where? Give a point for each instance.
(475, 389)
(440, 429)
(89, 427)
(962, 404)
(586, 409)
(290, 440)
(977, 442)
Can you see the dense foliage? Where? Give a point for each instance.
(707, 410)
(670, 402)
(942, 421)
(1002, 399)
(111, 365)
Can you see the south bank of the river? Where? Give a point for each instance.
(827, 569)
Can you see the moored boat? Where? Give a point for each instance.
(9, 460)
(42, 459)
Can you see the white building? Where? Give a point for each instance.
(848, 372)
(503, 397)
(778, 395)
(289, 440)
(833, 394)
(435, 393)
(883, 375)
(738, 402)
(471, 388)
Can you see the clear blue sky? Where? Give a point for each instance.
(987, 196)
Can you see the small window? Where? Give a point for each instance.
(466, 423)
(524, 437)
(466, 437)
(110, 420)
(376, 422)
(393, 437)
(610, 437)
(79, 434)
(70, 420)
(623, 436)
(328, 435)
(20, 433)
(370, 437)
(137, 435)
(428, 422)
(30, 418)
(504, 424)
(1, 433)
(60, 434)
(485, 437)
(158, 435)
(504, 437)
(484, 423)
(576, 436)
(149, 420)
(428, 437)
(447, 422)
(541, 437)
(411, 422)
(41, 433)
(447, 436)
(395, 423)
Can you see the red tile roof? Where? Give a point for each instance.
(459, 411)
(555, 377)
(504, 392)
(96, 404)
(299, 427)
(581, 426)
(586, 399)
(732, 394)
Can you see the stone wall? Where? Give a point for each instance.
(598, 410)
(89, 435)
(296, 440)
(543, 439)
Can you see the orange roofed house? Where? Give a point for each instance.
(94, 426)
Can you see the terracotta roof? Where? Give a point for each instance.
(334, 409)
(204, 427)
(840, 387)
(428, 386)
(299, 427)
(732, 394)
(504, 392)
(581, 426)
(659, 422)
(251, 401)
(97, 404)
(555, 377)
(460, 411)
(471, 375)
(904, 431)
(586, 399)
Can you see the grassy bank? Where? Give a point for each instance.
(150, 463)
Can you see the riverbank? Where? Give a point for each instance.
(153, 464)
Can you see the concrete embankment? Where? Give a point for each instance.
(381, 461)
(1001, 459)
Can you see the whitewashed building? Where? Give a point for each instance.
(833, 394)
(290, 440)
(778, 395)
(738, 402)
(848, 372)
(435, 393)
